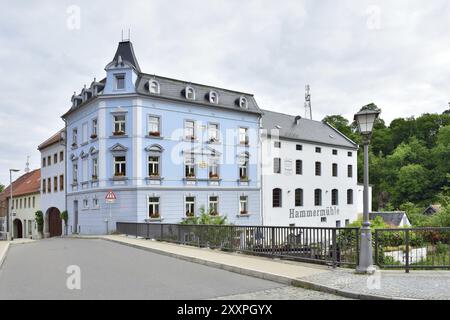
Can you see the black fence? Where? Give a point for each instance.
(332, 246)
(414, 248)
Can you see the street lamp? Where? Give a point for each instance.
(9, 218)
(365, 120)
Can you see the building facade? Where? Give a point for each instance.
(53, 183)
(166, 148)
(25, 203)
(309, 173)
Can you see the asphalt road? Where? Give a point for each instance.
(38, 270)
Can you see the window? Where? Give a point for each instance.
(153, 126)
(299, 197)
(153, 207)
(94, 128)
(43, 162)
(335, 170)
(243, 103)
(298, 167)
(119, 124)
(213, 97)
(153, 166)
(214, 168)
(350, 171)
(243, 136)
(85, 173)
(276, 165)
(338, 223)
(276, 198)
(84, 133)
(29, 202)
(55, 158)
(318, 150)
(349, 196)
(317, 197)
(61, 156)
(61, 183)
(189, 130)
(349, 154)
(49, 185)
(94, 169)
(55, 184)
(190, 93)
(299, 147)
(347, 222)
(335, 152)
(120, 81)
(120, 166)
(95, 203)
(318, 169)
(214, 205)
(277, 144)
(243, 205)
(323, 219)
(189, 166)
(20, 205)
(334, 197)
(34, 202)
(213, 132)
(49, 160)
(190, 206)
(86, 203)
(74, 137)
(44, 189)
(243, 166)
(75, 173)
(153, 86)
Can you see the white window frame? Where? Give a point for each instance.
(243, 136)
(151, 164)
(121, 165)
(189, 166)
(94, 168)
(84, 132)
(74, 172)
(122, 77)
(155, 205)
(243, 204)
(189, 206)
(190, 93)
(74, 136)
(85, 168)
(152, 125)
(95, 203)
(243, 103)
(213, 97)
(119, 124)
(85, 203)
(213, 168)
(213, 132)
(189, 131)
(244, 160)
(213, 203)
(153, 86)
(94, 127)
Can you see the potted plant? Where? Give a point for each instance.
(155, 216)
(118, 133)
(244, 212)
(154, 134)
(94, 177)
(64, 217)
(190, 176)
(243, 178)
(214, 176)
(39, 217)
(119, 174)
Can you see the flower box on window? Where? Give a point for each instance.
(154, 134)
(74, 144)
(190, 176)
(155, 216)
(189, 214)
(214, 176)
(93, 136)
(243, 178)
(154, 176)
(118, 133)
(94, 177)
(119, 174)
(244, 212)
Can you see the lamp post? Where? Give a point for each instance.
(365, 120)
(9, 218)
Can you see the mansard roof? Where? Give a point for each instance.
(297, 128)
(126, 52)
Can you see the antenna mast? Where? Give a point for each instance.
(27, 168)
(308, 109)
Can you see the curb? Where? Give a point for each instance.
(259, 274)
(3, 254)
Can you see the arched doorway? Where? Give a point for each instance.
(54, 222)
(18, 229)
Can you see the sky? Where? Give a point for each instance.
(351, 52)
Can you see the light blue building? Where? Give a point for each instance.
(165, 147)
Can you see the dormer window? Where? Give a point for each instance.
(243, 103)
(120, 81)
(213, 97)
(190, 93)
(153, 86)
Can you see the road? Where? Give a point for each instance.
(38, 270)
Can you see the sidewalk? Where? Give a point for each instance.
(4, 247)
(344, 282)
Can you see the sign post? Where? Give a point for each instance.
(109, 198)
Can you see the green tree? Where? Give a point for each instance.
(341, 124)
(412, 184)
(2, 188)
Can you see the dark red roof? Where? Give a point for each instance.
(26, 184)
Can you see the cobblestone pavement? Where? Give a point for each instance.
(283, 293)
(428, 285)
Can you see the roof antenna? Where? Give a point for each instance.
(122, 35)
(308, 109)
(27, 168)
(129, 34)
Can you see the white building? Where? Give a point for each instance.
(53, 185)
(309, 173)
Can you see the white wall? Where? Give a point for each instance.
(308, 182)
(26, 213)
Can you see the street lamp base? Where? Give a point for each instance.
(365, 270)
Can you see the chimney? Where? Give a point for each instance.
(297, 120)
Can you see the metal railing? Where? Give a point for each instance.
(412, 248)
(332, 246)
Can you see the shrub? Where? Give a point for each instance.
(39, 216)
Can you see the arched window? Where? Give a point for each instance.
(276, 198)
(213, 97)
(334, 197)
(299, 197)
(153, 86)
(318, 197)
(349, 196)
(189, 93)
(243, 103)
